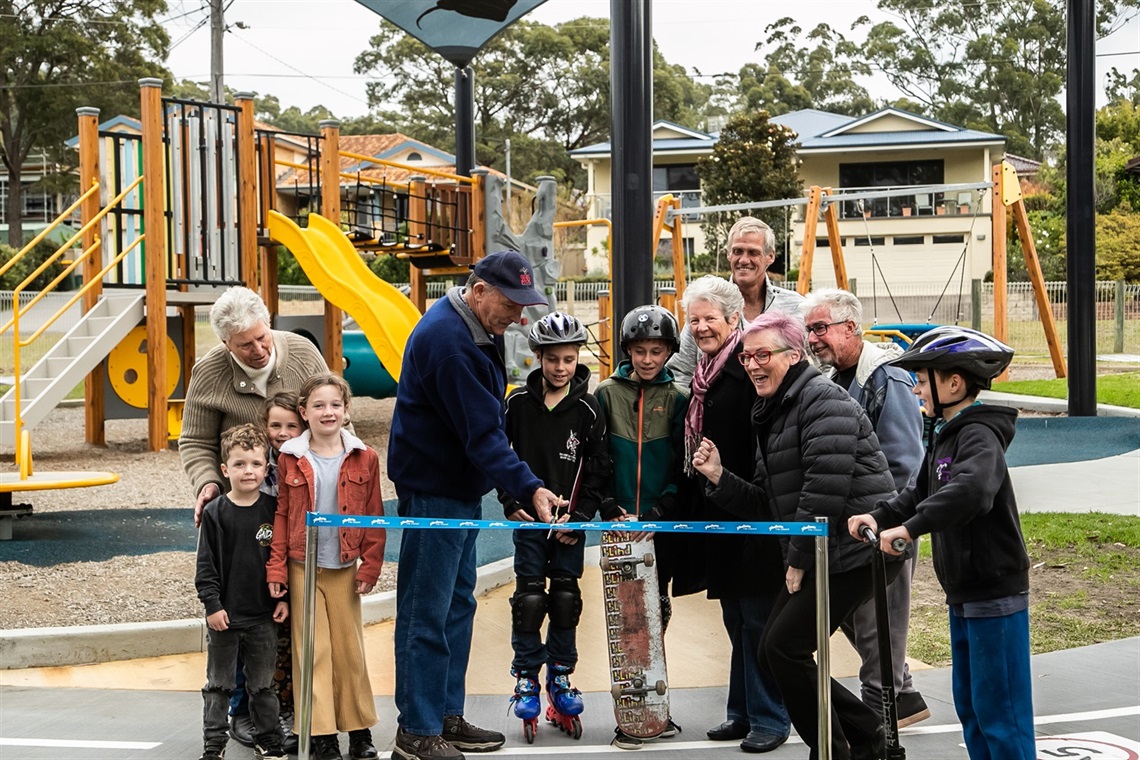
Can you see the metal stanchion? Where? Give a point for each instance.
(308, 631)
(823, 650)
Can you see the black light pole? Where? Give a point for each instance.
(1080, 200)
(631, 183)
(464, 121)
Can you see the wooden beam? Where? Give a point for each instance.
(417, 235)
(330, 209)
(678, 255)
(247, 206)
(807, 251)
(1037, 278)
(998, 236)
(94, 420)
(154, 216)
(835, 243)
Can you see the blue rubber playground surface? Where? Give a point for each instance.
(95, 535)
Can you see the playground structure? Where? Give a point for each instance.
(150, 252)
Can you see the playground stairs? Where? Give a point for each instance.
(71, 359)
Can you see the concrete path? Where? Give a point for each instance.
(1085, 701)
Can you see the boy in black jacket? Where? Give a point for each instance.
(963, 497)
(557, 428)
(241, 617)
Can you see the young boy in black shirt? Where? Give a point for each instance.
(241, 617)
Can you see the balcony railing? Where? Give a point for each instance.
(602, 206)
(957, 203)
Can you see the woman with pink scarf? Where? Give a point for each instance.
(743, 572)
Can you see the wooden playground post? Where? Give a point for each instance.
(678, 254)
(93, 388)
(811, 219)
(605, 336)
(997, 234)
(330, 209)
(417, 234)
(1037, 278)
(154, 218)
(247, 190)
(268, 200)
(476, 235)
(835, 243)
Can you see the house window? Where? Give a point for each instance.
(870, 241)
(413, 156)
(944, 239)
(668, 179)
(892, 174)
(909, 240)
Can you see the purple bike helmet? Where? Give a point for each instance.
(958, 348)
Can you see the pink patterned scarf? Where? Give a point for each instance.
(708, 368)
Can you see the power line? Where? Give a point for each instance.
(302, 73)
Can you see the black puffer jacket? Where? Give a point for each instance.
(818, 457)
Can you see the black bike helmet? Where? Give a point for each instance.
(556, 329)
(649, 323)
(958, 348)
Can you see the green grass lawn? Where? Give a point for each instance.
(1119, 390)
(1084, 580)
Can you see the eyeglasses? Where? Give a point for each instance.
(820, 328)
(760, 357)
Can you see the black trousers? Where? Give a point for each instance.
(787, 650)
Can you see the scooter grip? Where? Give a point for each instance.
(899, 544)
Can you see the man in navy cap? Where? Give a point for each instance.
(447, 449)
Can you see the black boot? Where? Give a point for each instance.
(360, 745)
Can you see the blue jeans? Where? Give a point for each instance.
(435, 611)
(537, 556)
(993, 688)
(753, 696)
(257, 647)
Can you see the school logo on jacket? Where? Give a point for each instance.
(264, 534)
(571, 453)
(942, 469)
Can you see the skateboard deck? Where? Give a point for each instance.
(639, 684)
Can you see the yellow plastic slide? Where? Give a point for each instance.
(335, 268)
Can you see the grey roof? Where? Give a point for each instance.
(811, 124)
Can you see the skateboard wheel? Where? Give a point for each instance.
(648, 559)
(661, 687)
(616, 690)
(605, 563)
(528, 731)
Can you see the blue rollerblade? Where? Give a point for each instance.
(565, 702)
(527, 702)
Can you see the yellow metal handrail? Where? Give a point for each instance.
(43, 233)
(412, 169)
(23, 437)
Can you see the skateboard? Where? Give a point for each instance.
(636, 646)
(892, 749)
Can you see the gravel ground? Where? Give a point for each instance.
(150, 587)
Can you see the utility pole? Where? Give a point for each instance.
(217, 29)
(508, 141)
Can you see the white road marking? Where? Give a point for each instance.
(76, 744)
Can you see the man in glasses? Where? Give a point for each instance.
(751, 249)
(834, 320)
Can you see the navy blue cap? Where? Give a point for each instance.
(510, 273)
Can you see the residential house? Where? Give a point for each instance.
(917, 240)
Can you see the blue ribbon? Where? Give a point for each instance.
(430, 523)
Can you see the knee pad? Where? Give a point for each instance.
(528, 605)
(565, 602)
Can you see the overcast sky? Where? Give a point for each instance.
(302, 51)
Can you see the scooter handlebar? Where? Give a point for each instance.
(899, 544)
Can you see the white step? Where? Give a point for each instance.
(70, 360)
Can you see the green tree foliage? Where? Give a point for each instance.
(812, 69)
(998, 67)
(754, 160)
(57, 55)
(1048, 231)
(1118, 245)
(546, 88)
(11, 279)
